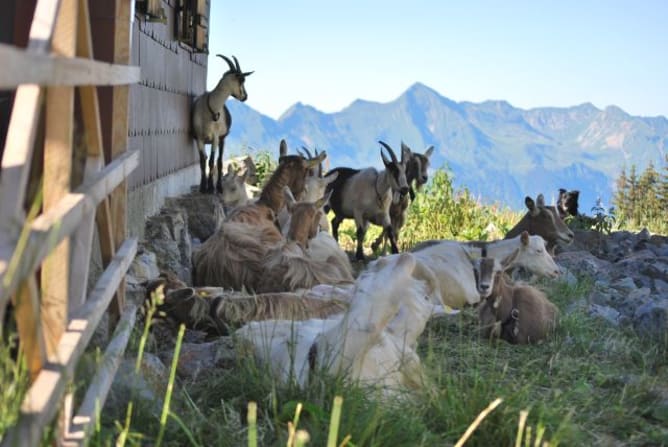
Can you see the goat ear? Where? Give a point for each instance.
(540, 201)
(531, 205)
(324, 199)
(248, 73)
(524, 238)
(575, 193)
(283, 149)
(429, 151)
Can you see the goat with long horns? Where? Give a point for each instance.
(211, 120)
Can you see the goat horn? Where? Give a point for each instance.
(237, 63)
(229, 62)
(307, 152)
(389, 149)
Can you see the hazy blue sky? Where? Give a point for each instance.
(530, 53)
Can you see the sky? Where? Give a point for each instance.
(533, 53)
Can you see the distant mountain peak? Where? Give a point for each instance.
(298, 108)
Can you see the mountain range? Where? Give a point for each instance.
(499, 152)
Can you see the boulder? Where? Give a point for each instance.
(148, 385)
(196, 358)
(204, 213)
(651, 320)
(167, 234)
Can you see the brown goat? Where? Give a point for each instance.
(216, 311)
(291, 172)
(519, 314)
(543, 221)
(258, 258)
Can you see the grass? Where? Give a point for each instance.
(589, 384)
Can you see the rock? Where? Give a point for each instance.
(607, 313)
(651, 320)
(600, 297)
(567, 276)
(204, 213)
(583, 262)
(199, 357)
(144, 267)
(148, 385)
(170, 240)
(625, 284)
(660, 288)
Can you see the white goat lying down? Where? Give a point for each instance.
(373, 342)
(450, 262)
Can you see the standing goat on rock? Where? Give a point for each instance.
(211, 120)
(366, 195)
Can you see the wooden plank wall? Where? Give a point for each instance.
(172, 75)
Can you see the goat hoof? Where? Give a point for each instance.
(202, 188)
(219, 188)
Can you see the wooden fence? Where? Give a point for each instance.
(45, 255)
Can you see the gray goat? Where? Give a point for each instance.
(211, 120)
(366, 195)
(417, 168)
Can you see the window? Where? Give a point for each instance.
(152, 10)
(192, 24)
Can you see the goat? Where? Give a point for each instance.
(215, 310)
(519, 314)
(291, 172)
(567, 203)
(358, 344)
(233, 189)
(257, 257)
(543, 221)
(365, 195)
(451, 263)
(207, 126)
(417, 168)
(315, 186)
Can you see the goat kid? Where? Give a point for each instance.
(291, 172)
(366, 195)
(519, 314)
(543, 221)
(315, 186)
(211, 120)
(234, 191)
(417, 170)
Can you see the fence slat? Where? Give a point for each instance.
(82, 239)
(54, 225)
(43, 398)
(25, 67)
(119, 136)
(26, 308)
(93, 401)
(57, 178)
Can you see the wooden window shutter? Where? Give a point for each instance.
(202, 26)
(152, 10)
